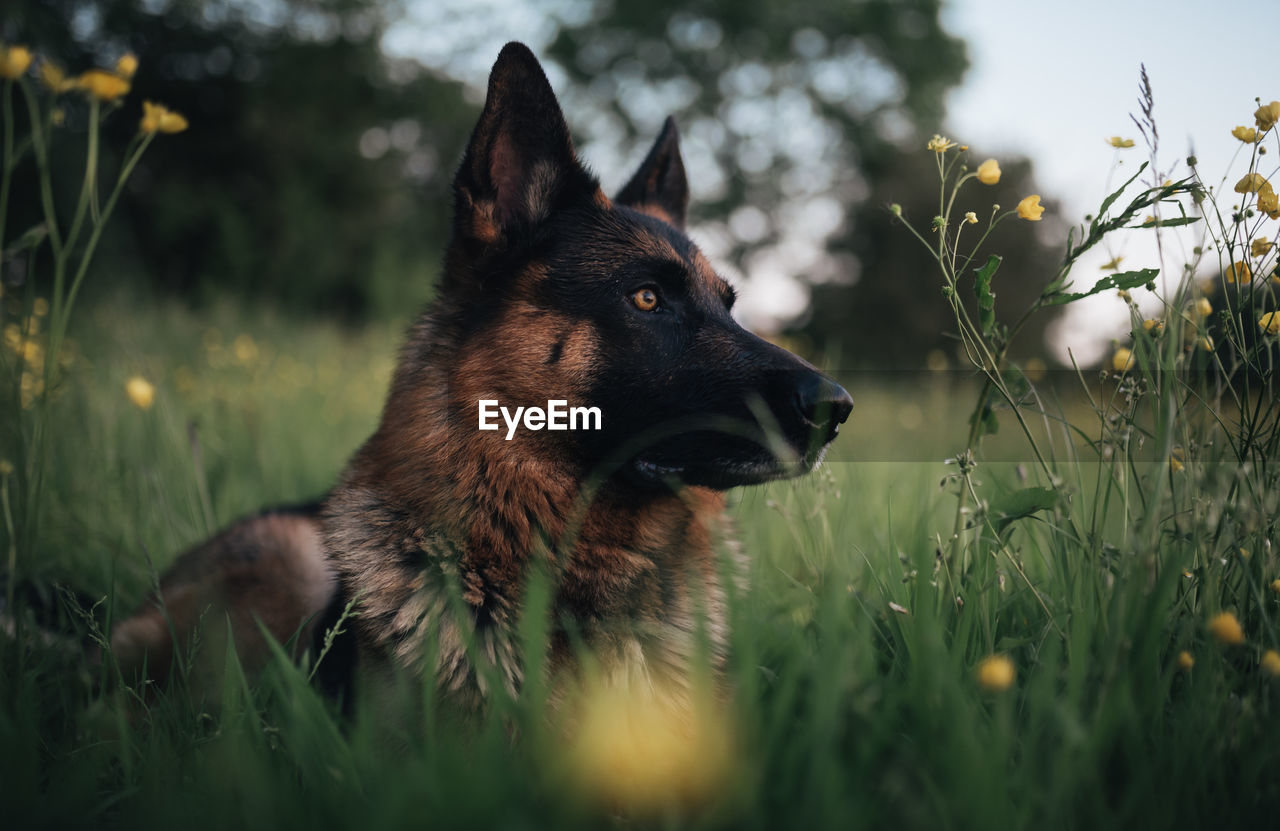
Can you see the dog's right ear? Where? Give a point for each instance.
(520, 164)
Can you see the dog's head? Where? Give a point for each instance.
(559, 292)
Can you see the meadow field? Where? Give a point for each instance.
(861, 696)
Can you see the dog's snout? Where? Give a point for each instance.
(823, 403)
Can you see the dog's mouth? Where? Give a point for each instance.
(722, 473)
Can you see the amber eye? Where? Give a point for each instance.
(646, 300)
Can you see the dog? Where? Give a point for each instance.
(563, 307)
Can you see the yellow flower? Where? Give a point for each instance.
(140, 391)
(940, 144)
(1176, 466)
(1112, 264)
(1203, 307)
(1267, 201)
(1237, 273)
(14, 61)
(1260, 247)
(1270, 662)
(989, 172)
(1246, 134)
(103, 85)
(157, 118)
(1269, 323)
(127, 66)
(1122, 360)
(1152, 324)
(1251, 183)
(1116, 141)
(996, 673)
(1205, 343)
(1030, 208)
(1185, 661)
(1267, 115)
(1226, 629)
(1275, 585)
(971, 218)
(52, 76)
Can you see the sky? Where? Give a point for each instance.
(1048, 80)
(1054, 80)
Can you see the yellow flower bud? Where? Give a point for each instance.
(1185, 661)
(14, 61)
(1203, 307)
(996, 673)
(103, 85)
(1226, 629)
(140, 391)
(1030, 208)
(127, 66)
(989, 172)
(1270, 662)
(1122, 360)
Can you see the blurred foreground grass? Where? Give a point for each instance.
(858, 699)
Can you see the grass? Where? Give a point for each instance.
(857, 702)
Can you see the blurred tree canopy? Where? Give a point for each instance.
(316, 171)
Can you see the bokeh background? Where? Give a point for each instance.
(315, 175)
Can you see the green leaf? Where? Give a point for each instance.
(986, 297)
(1122, 280)
(1110, 200)
(1169, 223)
(1019, 504)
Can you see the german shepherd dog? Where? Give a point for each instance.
(550, 291)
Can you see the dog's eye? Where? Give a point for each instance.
(646, 299)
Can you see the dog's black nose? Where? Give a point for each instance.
(823, 403)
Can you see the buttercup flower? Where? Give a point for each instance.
(1226, 629)
(1275, 585)
(996, 673)
(1251, 183)
(1270, 662)
(1267, 201)
(1269, 323)
(1260, 247)
(1030, 208)
(14, 61)
(103, 85)
(1237, 273)
(940, 144)
(127, 65)
(1246, 134)
(1152, 324)
(156, 118)
(1122, 360)
(1185, 661)
(1203, 307)
(140, 391)
(971, 218)
(989, 172)
(52, 76)
(1116, 141)
(1267, 115)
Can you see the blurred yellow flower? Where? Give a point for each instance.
(1275, 585)
(1246, 134)
(1205, 343)
(52, 76)
(1030, 208)
(6, 469)
(1203, 307)
(103, 85)
(140, 391)
(1237, 273)
(1185, 661)
(1122, 360)
(1269, 323)
(1260, 247)
(1175, 465)
(940, 144)
(127, 66)
(996, 673)
(971, 218)
(1267, 115)
(40, 307)
(1226, 629)
(1270, 662)
(1251, 183)
(1116, 141)
(989, 172)
(1153, 324)
(14, 61)
(157, 118)
(1112, 264)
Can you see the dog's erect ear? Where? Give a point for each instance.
(520, 164)
(660, 186)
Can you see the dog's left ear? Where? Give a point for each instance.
(520, 164)
(659, 187)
